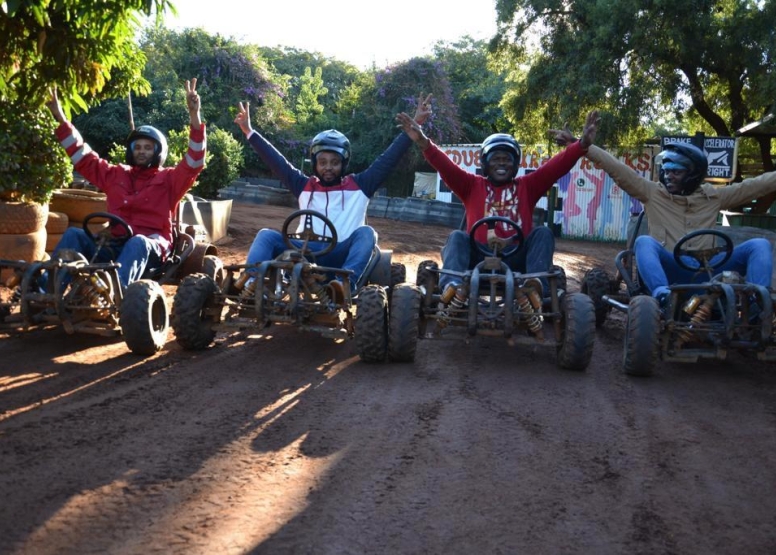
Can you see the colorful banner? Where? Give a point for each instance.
(593, 207)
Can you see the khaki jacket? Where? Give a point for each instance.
(673, 216)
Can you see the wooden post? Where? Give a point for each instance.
(131, 115)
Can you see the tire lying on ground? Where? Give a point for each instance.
(57, 223)
(22, 246)
(21, 218)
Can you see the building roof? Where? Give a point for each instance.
(765, 127)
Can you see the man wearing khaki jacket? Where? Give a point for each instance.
(681, 203)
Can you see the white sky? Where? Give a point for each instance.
(361, 32)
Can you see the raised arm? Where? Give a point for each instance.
(55, 107)
(243, 119)
(193, 104)
(564, 137)
(423, 111)
(413, 130)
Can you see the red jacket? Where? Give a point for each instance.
(515, 201)
(145, 198)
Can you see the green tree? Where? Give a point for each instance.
(291, 63)
(709, 61)
(477, 85)
(85, 49)
(308, 107)
(368, 110)
(228, 72)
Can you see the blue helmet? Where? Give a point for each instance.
(684, 156)
(153, 134)
(499, 141)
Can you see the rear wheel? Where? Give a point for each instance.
(403, 323)
(562, 281)
(427, 276)
(213, 267)
(642, 331)
(578, 332)
(194, 312)
(143, 317)
(426, 279)
(371, 325)
(398, 273)
(595, 285)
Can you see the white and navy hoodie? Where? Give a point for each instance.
(344, 204)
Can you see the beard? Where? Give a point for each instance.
(330, 182)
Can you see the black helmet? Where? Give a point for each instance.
(499, 141)
(152, 133)
(333, 141)
(684, 156)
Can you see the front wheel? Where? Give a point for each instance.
(595, 284)
(578, 332)
(371, 325)
(642, 331)
(195, 311)
(403, 324)
(143, 318)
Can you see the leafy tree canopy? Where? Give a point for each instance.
(700, 61)
(86, 48)
(477, 85)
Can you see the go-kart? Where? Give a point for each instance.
(294, 290)
(86, 296)
(698, 320)
(509, 304)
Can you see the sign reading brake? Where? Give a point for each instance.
(720, 152)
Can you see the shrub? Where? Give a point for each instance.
(32, 162)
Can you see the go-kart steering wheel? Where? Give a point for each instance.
(307, 234)
(703, 256)
(113, 220)
(491, 221)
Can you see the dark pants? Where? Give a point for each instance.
(535, 255)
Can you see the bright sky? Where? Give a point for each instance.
(361, 32)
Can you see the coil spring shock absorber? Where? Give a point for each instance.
(700, 312)
(529, 301)
(248, 288)
(312, 282)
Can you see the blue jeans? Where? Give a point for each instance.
(658, 269)
(134, 256)
(534, 256)
(352, 253)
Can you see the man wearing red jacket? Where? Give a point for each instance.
(499, 193)
(141, 192)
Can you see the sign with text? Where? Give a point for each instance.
(467, 156)
(720, 152)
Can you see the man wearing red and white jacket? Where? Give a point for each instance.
(140, 192)
(499, 192)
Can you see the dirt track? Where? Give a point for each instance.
(286, 443)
